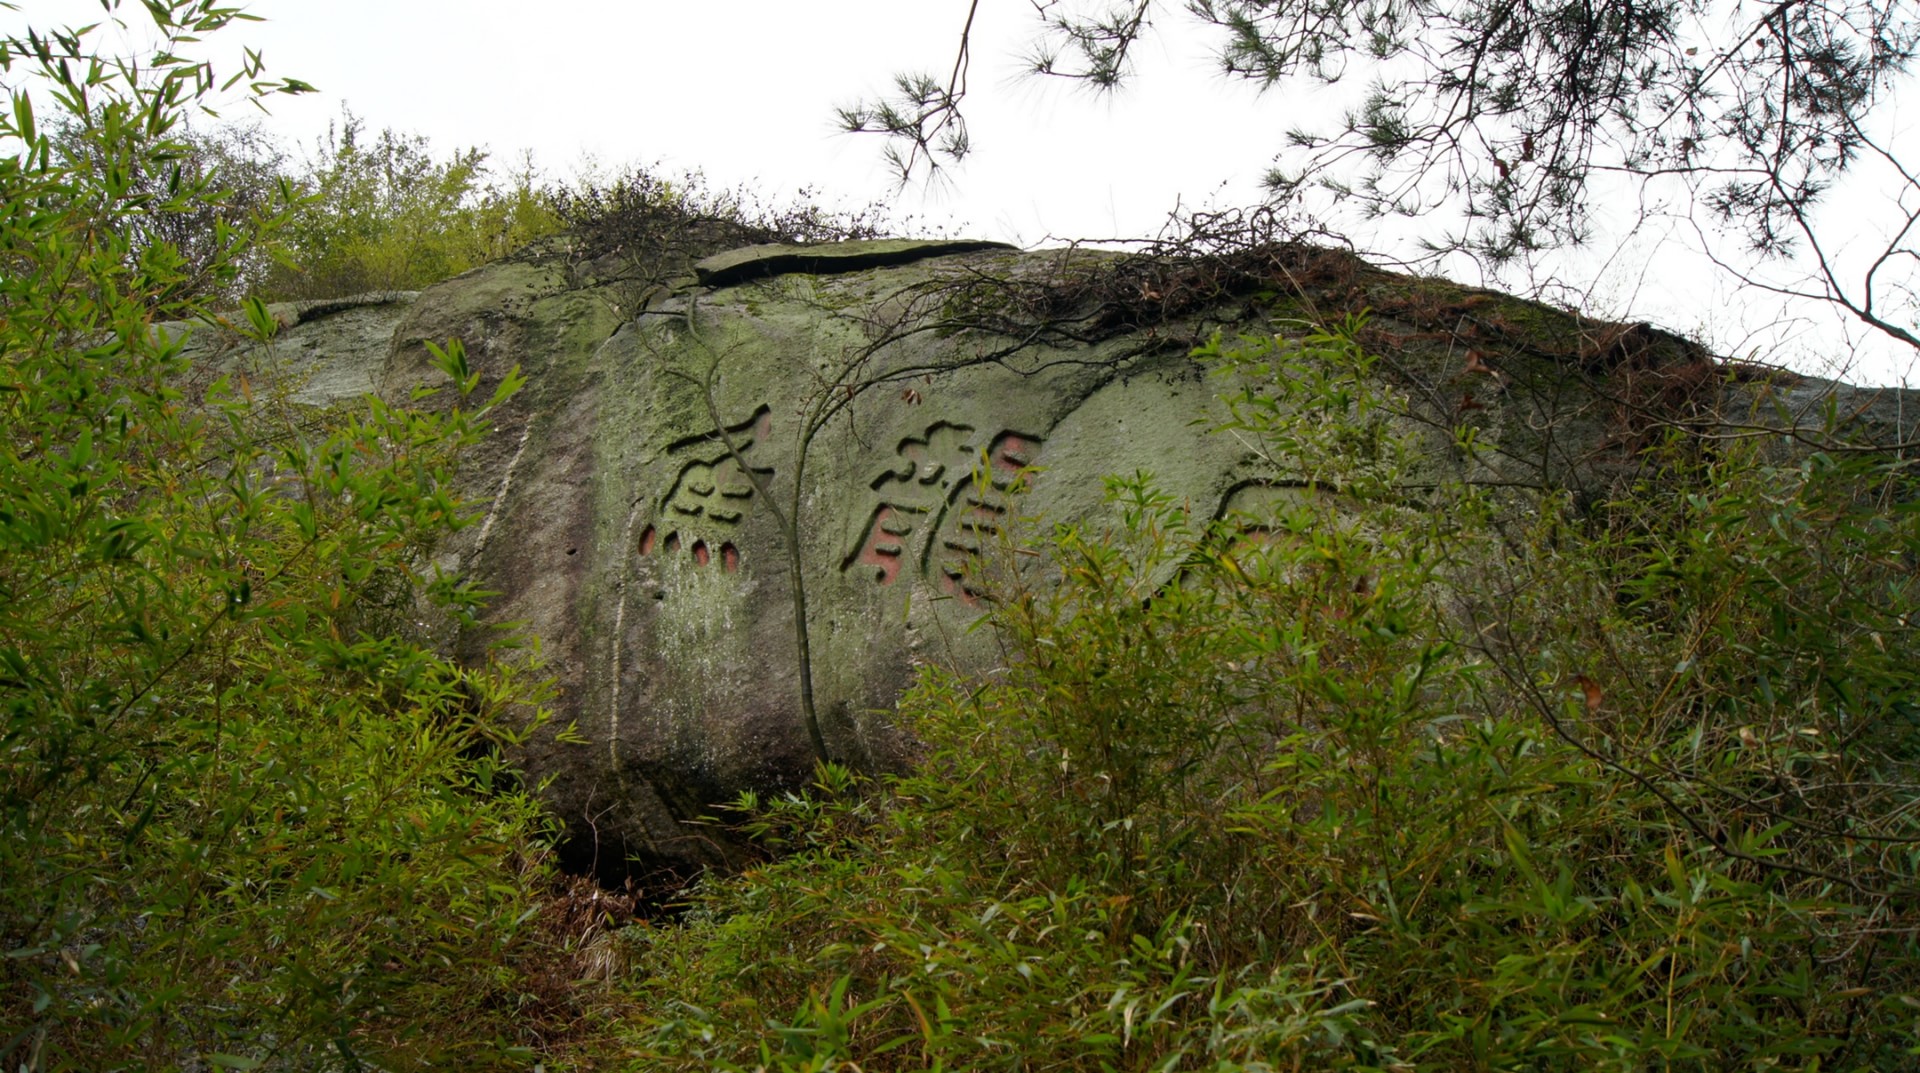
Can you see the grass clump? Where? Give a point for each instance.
(1371, 782)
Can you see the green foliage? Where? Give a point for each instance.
(370, 212)
(244, 820)
(644, 216)
(1372, 782)
(383, 213)
(223, 184)
(362, 213)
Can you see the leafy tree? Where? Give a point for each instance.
(382, 212)
(236, 176)
(1513, 124)
(244, 819)
(363, 212)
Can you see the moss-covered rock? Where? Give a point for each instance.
(865, 430)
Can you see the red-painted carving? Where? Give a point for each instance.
(946, 497)
(1012, 453)
(884, 546)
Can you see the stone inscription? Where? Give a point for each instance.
(946, 495)
(703, 509)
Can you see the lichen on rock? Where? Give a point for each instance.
(715, 455)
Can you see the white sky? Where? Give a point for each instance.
(745, 89)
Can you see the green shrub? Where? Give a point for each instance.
(1385, 778)
(644, 215)
(362, 213)
(242, 823)
(384, 213)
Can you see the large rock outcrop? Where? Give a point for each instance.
(841, 436)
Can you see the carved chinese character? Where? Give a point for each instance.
(709, 498)
(939, 505)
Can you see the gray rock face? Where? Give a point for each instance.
(849, 437)
(326, 350)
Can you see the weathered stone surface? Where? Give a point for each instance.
(870, 423)
(338, 351)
